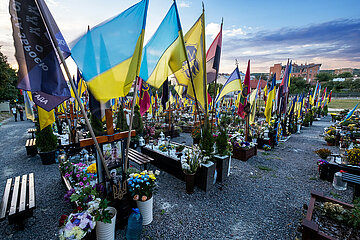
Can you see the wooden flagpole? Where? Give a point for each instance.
(72, 84)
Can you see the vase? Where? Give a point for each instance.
(146, 210)
(47, 158)
(106, 231)
(190, 183)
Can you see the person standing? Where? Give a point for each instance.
(21, 112)
(13, 109)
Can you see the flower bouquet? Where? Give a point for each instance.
(142, 185)
(191, 160)
(76, 226)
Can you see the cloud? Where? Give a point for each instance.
(184, 4)
(212, 30)
(329, 42)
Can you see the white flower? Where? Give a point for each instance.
(157, 172)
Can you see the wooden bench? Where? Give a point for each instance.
(30, 146)
(355, 180)
(32, 131)
(18, 200)
(139, 158)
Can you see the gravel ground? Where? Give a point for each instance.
(251, 204)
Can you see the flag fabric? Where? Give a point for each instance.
(39, 67)
(350, 113)
(265, 92)
(109, 54)
(144, 98)
(28, 106)
(284, 89)
(330, 96)
(231, 85)
(194, 43)
(270, 100)
(165, 93)
(252, 100)
(45, 117)
(94, 106)
(213, 57)
(54, 28)
(244, 93)
(165, 53)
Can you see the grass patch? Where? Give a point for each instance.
(274, 175)
(342, 103)
(264, 168)
(290, 178)
(335, 195)
(313, 178)
(162, 211)
(278, 158)
(255, 176)
(265, 153)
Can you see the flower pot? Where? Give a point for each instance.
(146, 210)
(106, 231)
(222, 166)
(330, 143)
(47, 158)
(190, 183)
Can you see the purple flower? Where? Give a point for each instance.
(99, 187)
(76, 222)
(77, 175)
(81, 184)
(84, 178)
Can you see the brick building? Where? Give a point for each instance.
(342, 70)
(307, 71)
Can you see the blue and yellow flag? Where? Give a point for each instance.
(109, 55)
(270, 100)
(45, 118)
(165, 53)
(232, 84)
(350, 113)
(195, 48)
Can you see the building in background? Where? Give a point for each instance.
(306, 71)
(343, 70)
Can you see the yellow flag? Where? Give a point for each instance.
(45, 118)
(253, 106)
(194, 43)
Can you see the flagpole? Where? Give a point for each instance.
(72, 84)
(204, 68)
(131, 122)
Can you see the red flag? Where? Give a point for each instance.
(330, 96)
(213, 57)
(244, 93)
(144, 101)
(209, 98)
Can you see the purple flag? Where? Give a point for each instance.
(39, 68)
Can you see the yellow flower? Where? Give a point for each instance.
(136, 175)
(91, 168)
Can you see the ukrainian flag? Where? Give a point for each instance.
(270, 101)
(232, 84)
(109, 54)
(165, 53)
(350, 114)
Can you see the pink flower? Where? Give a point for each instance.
(84, 178)
(87, 184)
(136, 197)
(143, 198)
(77, 175)
(81, 184)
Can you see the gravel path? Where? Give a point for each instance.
(252, 204)
(48, 187)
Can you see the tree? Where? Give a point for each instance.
(324, 77)
(298, 85)
(8, 81)
(211, 88)
(345, 75)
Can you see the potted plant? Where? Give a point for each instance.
(76, 226)
(190, 164)
(46, 142)
(242, 149)
(354, 156)
(142, 187)
(323, 153)
(121, 124)
(307, 119)
(222, 157)
(196, 134)
(330, 140)
(328, 218)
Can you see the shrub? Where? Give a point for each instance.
(46, 141)
(121, 123)
(323, 153)
(354, 156)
